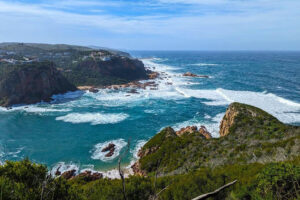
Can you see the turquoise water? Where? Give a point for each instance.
(73, 129)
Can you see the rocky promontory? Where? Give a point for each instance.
(247, 135)
(31, 83)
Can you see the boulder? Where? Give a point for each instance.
(194, 75)
(193, 129)
(188, 129)
(203, 131)
(69, 174)
(58, 173)
(93, 90)
(89, 176)
(110, 148)
(110, 153)
(153, 75)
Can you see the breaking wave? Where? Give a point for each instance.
(93, 118)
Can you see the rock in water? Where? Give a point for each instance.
(111, 148)
(195, 75)
(31, 83)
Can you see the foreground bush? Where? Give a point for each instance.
(24, 180)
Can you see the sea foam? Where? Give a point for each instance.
(98, 155)
(139, 145)
(93, 118)
(285, 110)
(204, 64)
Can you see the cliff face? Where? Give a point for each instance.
(31, 83)
(118, 67)
(248, 135)
(228, 120)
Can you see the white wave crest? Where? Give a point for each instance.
(285, 110)
(204, 64)
(34, 109)
(93, 118)
(67, 96)
(63, 167)
(98, 155)
(139, 145)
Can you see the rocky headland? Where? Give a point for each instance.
(31, 83)
(247, 135)
(27, 76)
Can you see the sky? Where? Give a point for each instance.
(155, 24)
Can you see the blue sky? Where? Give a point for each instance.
(155, 24)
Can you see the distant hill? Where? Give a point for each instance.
(80, 65)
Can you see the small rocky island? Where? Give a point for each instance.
(110, 149)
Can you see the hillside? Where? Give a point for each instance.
(248, 135)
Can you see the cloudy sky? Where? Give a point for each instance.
(155, 24)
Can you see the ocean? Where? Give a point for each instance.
(71, 131)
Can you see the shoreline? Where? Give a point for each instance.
(112, 173)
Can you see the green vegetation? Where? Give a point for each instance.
(26, 180)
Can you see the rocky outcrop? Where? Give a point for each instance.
(194, 75)
(32, 83)
(110, 149)
(69, 174)
(248, 135)
(228, 120)
(136, 168)
(203, 131)
(188, 129)
(153, 75)
(194, 129)
(133, 85)
(88, 176)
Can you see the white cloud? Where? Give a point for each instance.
(271, 26)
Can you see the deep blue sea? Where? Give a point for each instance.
(71, 131)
